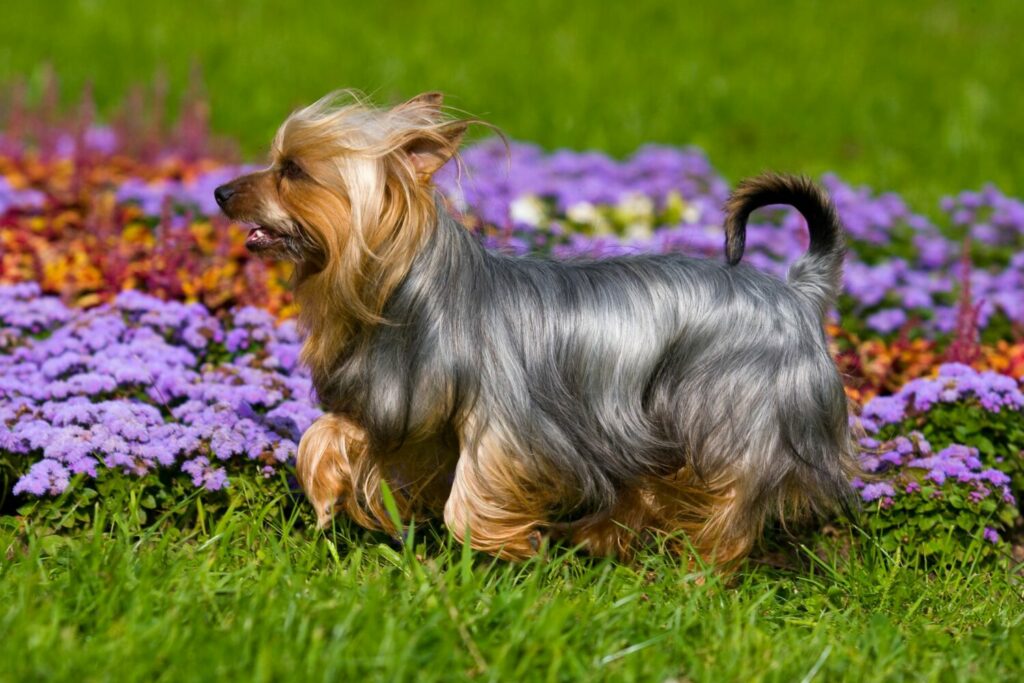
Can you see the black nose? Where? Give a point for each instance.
(222, 194)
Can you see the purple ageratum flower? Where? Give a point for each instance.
(903, 445)
(34, 315)
(284, 356)
(883, 410)
(870, 463)
(922, 394)
(46, 477)
(991, 535)
(907, 461)
(877, 490)
(198, 333)
(955, 382)
(205, 476)
(891, 458)
(910, 297)
(236, 339)
(979, 494)
(19, 199)
(992, 218)
(101, 139)
(995, 477)
(284, 450)
(869, 284)
(887, 320)
(250, 316)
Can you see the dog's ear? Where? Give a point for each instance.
(428, 100)
(430, 153)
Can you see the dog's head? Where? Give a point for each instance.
(348, 185)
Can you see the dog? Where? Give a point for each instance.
(599, 402)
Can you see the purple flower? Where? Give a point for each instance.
(877, 490)
(205, 476)
(46, 477)
(885, 410)
(887, 320)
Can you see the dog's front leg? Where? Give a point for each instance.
(323, 463)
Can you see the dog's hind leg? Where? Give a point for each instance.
(730, 529)
(620, 531)
(694, 516)
(498, 502)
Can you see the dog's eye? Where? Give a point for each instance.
(291, 170)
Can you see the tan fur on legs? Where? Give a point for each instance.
(497, 502)
(418, 476)
(616, 534)
(710, 516)
(505, 508)
(323, 465)
(337, 472)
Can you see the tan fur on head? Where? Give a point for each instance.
(349, 192)
(367, 202)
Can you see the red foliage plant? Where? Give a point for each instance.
(965, 346)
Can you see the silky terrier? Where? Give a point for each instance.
(601, 402)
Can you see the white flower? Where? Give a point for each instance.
(638, 230)
(636, 207)
(458, 198)
(528, 209)
(678, 209)
(583, 212)
(691, 214)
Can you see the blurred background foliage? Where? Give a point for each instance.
(914, 96)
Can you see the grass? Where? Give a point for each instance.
(921, 97)
(251, 593)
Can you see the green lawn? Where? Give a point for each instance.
(251, 595)
(919, 97)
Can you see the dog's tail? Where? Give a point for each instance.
(818, 273)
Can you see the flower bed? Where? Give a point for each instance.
(142, 384)
(944, 460)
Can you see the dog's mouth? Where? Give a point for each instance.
(262, 238)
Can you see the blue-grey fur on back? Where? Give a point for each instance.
(612, 370)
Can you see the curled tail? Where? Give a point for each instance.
(818, 273)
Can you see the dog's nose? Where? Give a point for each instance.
(222, 194)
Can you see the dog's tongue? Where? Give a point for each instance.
(258, 239)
